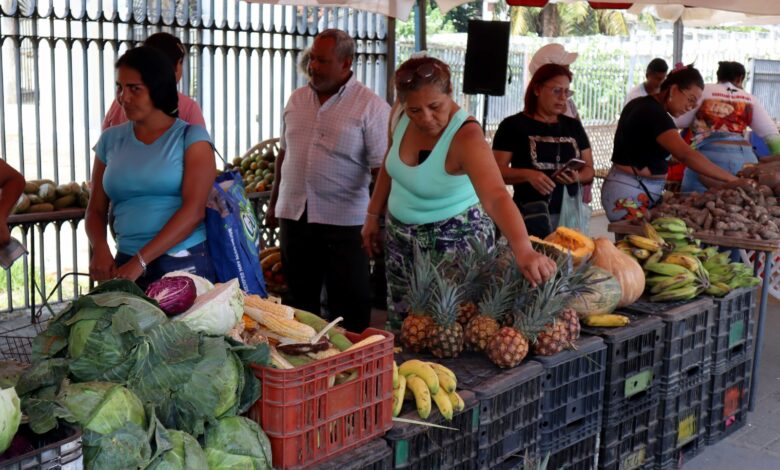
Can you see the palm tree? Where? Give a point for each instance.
(566, 19)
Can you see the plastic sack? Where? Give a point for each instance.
(234, 234)
(575, 214)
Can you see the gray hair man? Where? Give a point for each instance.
(334, 135)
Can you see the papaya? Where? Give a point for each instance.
(47, 192)
(22, 204)
(43, 207)
(65, 201)
(31, 187)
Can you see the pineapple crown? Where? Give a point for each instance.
(475, 269)
(447, 296)
(422, 275)
(498, 297)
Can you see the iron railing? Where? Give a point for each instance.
(56, 83)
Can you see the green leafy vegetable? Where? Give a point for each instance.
(237, 443)
(10, 417)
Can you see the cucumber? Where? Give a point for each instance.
(307, 318)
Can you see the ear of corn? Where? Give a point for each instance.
(366, 341)
(282, 326)
(278, 361)
(255, 301)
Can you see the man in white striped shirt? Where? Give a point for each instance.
(334, 135)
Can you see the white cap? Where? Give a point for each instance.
(553, 53)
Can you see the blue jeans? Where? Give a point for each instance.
(729, 157)
(194, 260)
(619, 185)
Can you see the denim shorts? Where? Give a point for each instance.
(195, 260)
(729, 157)
(619, 185)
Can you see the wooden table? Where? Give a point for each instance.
(41, 219)
(769, 248)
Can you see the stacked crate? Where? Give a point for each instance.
(732, 354)
(374, 455)
(685, 377)
(572, 403)
(631, 393)
(508, 404)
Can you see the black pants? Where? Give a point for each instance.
(317, 253)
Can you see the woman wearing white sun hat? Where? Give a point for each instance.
(555, 53)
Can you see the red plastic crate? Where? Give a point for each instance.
(309, 421)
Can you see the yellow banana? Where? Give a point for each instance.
(446, 382)
(423, 371)
(687, 249)
(640, 253)
(458, 404)
(623, 244)
(398, 395)
(644, 242)
(718, 289)
(422, 395)
(440, 368)
(651, 233)
(673, 282)
(655, 257)
(683, 293)
(606, 319)
(686, 261)
(666, 269)
(444, 404)
(395, 375)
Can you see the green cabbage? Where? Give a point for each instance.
(184, 453)
(10, 371)
(237, 443)
(102, 407)
(10, 417)
(217, 311)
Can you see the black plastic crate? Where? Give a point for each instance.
(630, 443)
(420, 447)
(633, 368)
(580, 455)
(687, 341)
(681, 423)
(573, 394)
(732, 329)
(374, 455)
(509, 402)
(677, 459)
(58, 448)
(728, 404)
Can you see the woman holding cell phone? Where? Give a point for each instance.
(542, 153)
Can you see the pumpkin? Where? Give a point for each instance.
(603, 297)
(623, 267)
(578, 244)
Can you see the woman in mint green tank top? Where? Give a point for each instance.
(440, 185)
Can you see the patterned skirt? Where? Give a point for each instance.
(443, 240)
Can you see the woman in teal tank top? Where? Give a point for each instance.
(440, 185)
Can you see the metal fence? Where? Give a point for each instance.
(766, 85)
(56, 83)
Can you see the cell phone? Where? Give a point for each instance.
(575, 164)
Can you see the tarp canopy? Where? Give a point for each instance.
(667, 9)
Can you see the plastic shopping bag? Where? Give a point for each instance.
(234, 234)
(575, 214)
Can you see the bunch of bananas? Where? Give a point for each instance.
(426, 382)
(678, 268)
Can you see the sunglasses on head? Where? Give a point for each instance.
(424, 71)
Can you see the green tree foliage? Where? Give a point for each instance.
(566, 19)
(460, 16)
(435, 23)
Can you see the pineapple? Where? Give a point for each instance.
(569, 317)
(418, 322)
(445, 338)
(507, 348)
(473, 272)
(496, 301)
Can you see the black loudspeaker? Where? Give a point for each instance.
(487, 53)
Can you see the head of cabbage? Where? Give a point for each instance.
(237, 442)
(10, 417)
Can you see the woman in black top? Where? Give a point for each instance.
(539, 141)
(646, 135)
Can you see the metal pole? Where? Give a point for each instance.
(678, 38)
(390, 64)
(768, 259)
(420, 43)
(485, 114)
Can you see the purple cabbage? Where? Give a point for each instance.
(175, 294)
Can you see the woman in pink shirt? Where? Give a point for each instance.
(171, 47)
